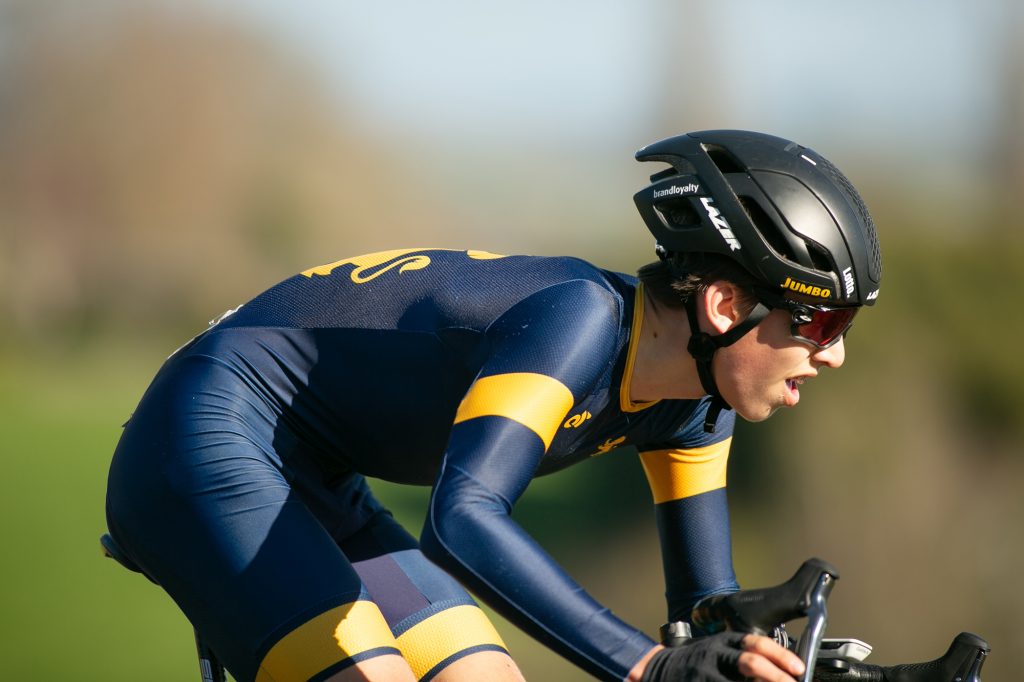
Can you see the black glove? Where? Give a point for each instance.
(705, 659)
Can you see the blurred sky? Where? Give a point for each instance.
(874, 73)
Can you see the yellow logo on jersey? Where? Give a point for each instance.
(373, 265)
(609, 445)
(576, 420)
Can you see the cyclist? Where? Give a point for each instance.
(238, 484)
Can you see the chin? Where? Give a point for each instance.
(754, 414)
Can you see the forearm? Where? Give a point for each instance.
(473, 537)
(696, 550)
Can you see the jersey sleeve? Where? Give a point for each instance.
(544, 355)
(688, 484)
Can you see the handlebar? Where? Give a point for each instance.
(961, 662)
(764, 611)
(761, 610)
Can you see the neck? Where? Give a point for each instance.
(663, 368)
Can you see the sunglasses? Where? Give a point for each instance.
(819, 326)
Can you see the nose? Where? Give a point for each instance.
(833, 356)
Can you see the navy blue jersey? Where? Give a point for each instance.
(474, 373)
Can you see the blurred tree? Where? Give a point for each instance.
(1007, 140)
(158, 162)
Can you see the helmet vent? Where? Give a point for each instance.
(662, 174)
(819, 257)
(679, 213)
(721, 157)
(875, 259)
(767, 229)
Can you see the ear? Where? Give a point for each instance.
(722, 305)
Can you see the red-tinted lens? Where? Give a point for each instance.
(826, 326)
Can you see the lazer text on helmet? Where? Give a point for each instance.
(718, 220)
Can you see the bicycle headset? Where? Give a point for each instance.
(782, 212)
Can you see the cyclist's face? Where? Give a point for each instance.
(764, 369)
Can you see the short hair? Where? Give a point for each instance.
(673, 282)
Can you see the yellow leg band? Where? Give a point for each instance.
(444, 635)
(326, 640)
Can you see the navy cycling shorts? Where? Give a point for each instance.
(288, 572)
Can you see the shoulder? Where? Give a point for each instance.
(568, 307)
(567, 280)
(573, 330)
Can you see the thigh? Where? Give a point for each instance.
(286, 577)
(437, 624)
(206, 509)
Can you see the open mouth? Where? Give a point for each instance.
(793, 390)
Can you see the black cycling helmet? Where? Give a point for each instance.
(780, 211)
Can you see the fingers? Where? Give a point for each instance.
(765, 660)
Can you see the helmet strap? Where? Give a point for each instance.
(702, 347)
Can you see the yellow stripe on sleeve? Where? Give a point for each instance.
(445, 634)
(327, 639)
(675, 474)
(536, 401)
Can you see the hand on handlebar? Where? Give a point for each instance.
(804, 595)
(724, 657)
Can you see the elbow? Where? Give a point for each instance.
(458, 534)
(444, 534)
(432, 545)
